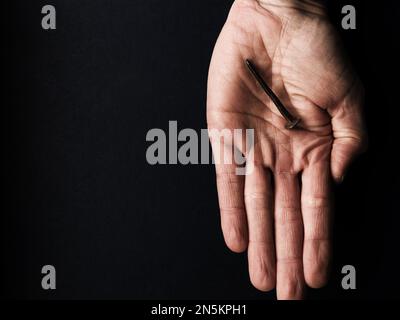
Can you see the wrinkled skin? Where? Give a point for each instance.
(281, 212)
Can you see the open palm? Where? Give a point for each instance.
(281, 212)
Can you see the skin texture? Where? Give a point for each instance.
(281, 213)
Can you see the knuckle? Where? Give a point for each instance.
(232, 211)
(316, 202)
(288, 214)
(227, 177)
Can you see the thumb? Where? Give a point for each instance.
(350, 137)
(344, 151)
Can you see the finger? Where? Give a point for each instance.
(261, 249)
(231, 201)
(288, 237)
(349, 132)
(316, 209)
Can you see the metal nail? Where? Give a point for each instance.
(292, 121)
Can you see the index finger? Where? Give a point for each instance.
(316, 205)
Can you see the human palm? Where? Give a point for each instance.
(281, 211)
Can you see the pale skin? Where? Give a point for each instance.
(281, 213)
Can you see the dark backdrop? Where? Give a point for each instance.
(80, 194)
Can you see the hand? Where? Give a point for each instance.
(281, 212)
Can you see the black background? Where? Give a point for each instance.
(81, 196)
